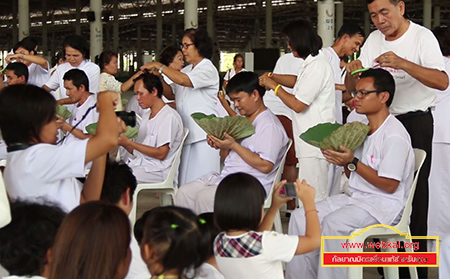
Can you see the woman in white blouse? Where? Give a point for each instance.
(195, 89)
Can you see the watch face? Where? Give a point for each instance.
(351, 167)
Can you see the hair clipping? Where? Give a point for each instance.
(174, 226)
(202, 221)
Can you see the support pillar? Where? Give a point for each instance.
(96, 29)
(339, 16)
(325, 21)
(190, 14)
(44, 29)
(139, 41)
(268, 23)
(437, 16)
(116, 26)
(15, 30)
(159, 22)
(366, 23)
(77, 17)
(24, 19)
(427, 13)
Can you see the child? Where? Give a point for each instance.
(172, 243)
(247, 248)
(92, 242)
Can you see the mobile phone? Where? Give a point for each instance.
(289, 189)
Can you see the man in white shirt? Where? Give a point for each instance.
(411, 53)
(258, 155)
(84, 112)
(118, 189)
(381, 173)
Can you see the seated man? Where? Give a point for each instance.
(16, 73)
(258, 155)
(381, 173)
(160, 133)
(118, 189)
(26, 242)
(84, 112)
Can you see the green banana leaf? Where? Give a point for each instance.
(130, 133)
(63, 112)
(237, 127)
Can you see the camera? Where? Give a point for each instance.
(128, 117)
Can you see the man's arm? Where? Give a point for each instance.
(287, 98)
(285, 80)
(159, 153)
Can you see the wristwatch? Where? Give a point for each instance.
(160, 69)
(352, 165)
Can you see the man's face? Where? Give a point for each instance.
(244, 102)
(144, 97)
(12, 79)
(352, 44)
(72, 91)
(387, 17)
(368, 103)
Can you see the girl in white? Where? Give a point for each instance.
(39, 168)
(195, 88)
(248, 248)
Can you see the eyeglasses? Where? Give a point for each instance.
(362, 93)
(186, 46)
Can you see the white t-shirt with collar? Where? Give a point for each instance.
(388, 151)
(77, 114)
(200, 98)
(37, 75)
(47, 171)
(287, 64)
(441, 114)
(335, 62)
(417, 45)
(92, 71)
(315, 88)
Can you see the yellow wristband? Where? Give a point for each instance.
(276, 89)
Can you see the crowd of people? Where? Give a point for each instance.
(65, 200)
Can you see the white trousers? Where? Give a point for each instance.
(199, 194)
(439, 183)
(338, 218)
(315, 171)
(334, 180)
(143, 176)
(198, 159)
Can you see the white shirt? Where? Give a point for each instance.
(166, 127)
(287, 64)
(269, 141)
(92, 71)
(269, 251)
(335, 63)
(388, 151)
(47, 171)
(315, 88)
(417, 45)
(231, 73)
(77, 114)
(207, 271)
(441, 114)
(37, 75)
(5, 217)
(2, 150)
(138, 269)
(200, 98)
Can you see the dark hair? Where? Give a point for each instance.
(24, 110)
(351, 30)
(238, 202)
(245, 81)
(210, 230)
(151, 81)
(303, 38)
(77, 42)
(78, 78)
(58, 55)
(168, 55)
(118, 178)
(92, 242)
(176, 237)
(105, 57)
(28, 43)
(19, 69)
(382, 81)
(393, 2)
(237, 56)
(442, 34)
(25, 241)
(201, 40)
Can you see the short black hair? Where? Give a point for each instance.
(24, 110)
(105, 57)
(351, 30)
(28, 43)
(201, 40)
(442, 34)
(151, 81)
(382, 81)
(78, 78)
(118, 178)
(209, 230)
(19, 69)
(237, 56)
(168, 55)
(25, 241)
(77, 42)
(238, 202)
(393, 2)
(245, 81)
(303, 38)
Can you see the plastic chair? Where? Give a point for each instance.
(398, 232)
(167, 188)
(268, 201)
